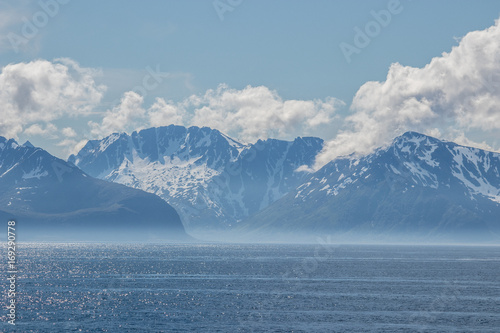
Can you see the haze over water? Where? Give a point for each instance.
(257, 288)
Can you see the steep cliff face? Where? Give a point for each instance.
(54, 200)
(418, 186)
(212, 180)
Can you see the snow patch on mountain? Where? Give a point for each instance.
(173, 178)
(35, 173)
(423, 160)
(104, 144)
(210, 178)
(417, 187)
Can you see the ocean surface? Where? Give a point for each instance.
(255, 288)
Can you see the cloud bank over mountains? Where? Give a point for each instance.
(250, 114)
(454, 95)
(38, 92)
(456, 92)
(35, 94)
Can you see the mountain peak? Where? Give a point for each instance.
(211, 178)
(8, 143)
(414, 139)
(55, 199)
(411, 136)
(28, 144)
(3, 141)
(419, 187)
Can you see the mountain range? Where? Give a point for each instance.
(212, 180)
(418, 188)
(53, 200)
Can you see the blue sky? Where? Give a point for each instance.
(291, 47)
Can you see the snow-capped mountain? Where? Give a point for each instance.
(419, 185)
(54, 200)
(212, 180)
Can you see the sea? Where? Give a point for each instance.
(323, 287)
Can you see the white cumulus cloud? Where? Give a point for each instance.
(69, 132)
(165, 113)
(49, 131)
(249, 114)
(258, 112)
(125, 116)
(70, 146)
(458, 91)
(41, 91)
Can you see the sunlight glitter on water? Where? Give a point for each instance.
(228, 288)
